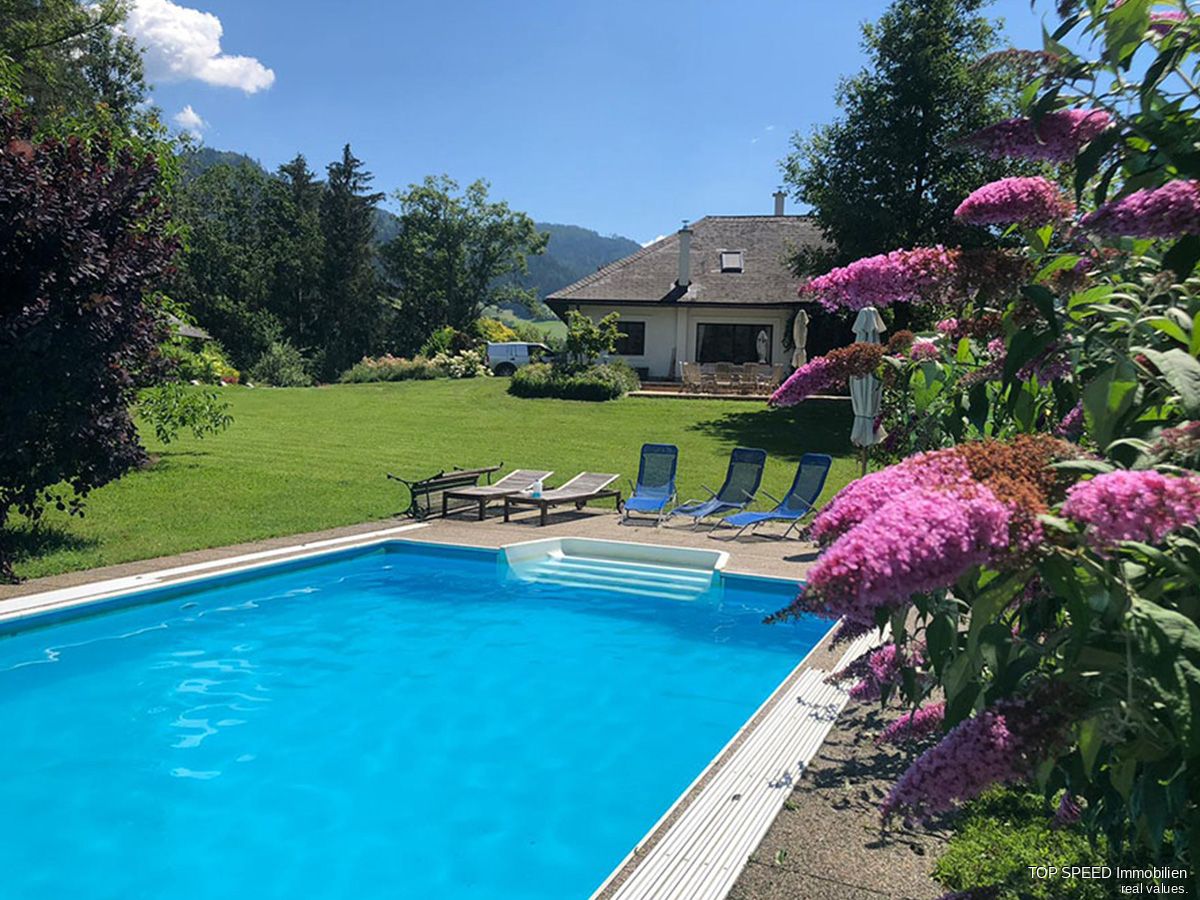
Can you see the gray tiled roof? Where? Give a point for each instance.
(649, 275)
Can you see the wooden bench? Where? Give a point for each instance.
(426, 495)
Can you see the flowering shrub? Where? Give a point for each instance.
(1056, 137)
(1167, 211)
(1133, 506)
(916, 725)
(390, 368)
(464, 364)
(1025, 201)
(831, 371)
(1050, 584)
(902, 276)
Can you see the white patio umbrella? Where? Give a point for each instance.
(800, 339)
(866, 391)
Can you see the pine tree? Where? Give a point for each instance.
(351, 307)
(298, 250)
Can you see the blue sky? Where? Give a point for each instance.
(625, 117)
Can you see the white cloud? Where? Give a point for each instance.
(189, 120)
(653, 240)
(182, 44)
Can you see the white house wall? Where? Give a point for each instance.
(671, 331)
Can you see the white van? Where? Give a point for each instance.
(505, 358)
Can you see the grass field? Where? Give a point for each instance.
(304, 459)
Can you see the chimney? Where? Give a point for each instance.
(780, 196)
(685, 256)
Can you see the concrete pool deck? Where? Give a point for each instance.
(812, 842)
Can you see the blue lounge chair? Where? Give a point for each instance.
(742, 479)
(796, 504)
(655, 488)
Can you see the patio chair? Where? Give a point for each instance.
(692, 378)
(655, 488)
(723, 376)
(581, 489)
(750, 376)
(796, 504)
(708, 378)
(742, 479)
(512, 483)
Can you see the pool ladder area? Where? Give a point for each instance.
(635, 570)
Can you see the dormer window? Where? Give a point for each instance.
(731, 260)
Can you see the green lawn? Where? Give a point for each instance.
(304, 459)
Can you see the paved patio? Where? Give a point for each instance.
(825, 844)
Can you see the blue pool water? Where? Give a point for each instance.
(400, 723)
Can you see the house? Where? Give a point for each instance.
(719, 290)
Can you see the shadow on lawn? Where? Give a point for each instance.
(815, 426)
(31, 542)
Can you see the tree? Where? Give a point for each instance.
(890, 172)
(293, 230)
(452, 250)
(226, 270)
(351, 310)
(84, 235)
(71, 56)
(587, 340)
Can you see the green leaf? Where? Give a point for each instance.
(1169, 328)
(1089, 743)
(1125, 28)
(1194, 343)
(1183, 256)
(1106, 400)
(1043, 298)
(987, 606)
(939, 640)
(1182, 372)
(1024, 346)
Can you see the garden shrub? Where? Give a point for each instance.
(448, 341)
(495, 331)
(207, 365)
(467, 364)
(390, 368)
(606, 381)
(1004, 832)
(281, 365)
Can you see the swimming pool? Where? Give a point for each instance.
(404, 720)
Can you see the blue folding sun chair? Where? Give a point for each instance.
(655, 488)
(796, 504)
(742, 479)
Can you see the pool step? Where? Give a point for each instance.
(618, 576)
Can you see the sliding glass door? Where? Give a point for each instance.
(726, 342)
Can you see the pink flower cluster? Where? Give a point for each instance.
(915, 725)
(1000, 745)
(815, 376)
(883, 669)
(1133, 506)
(948, 327)
(923, 348)
(902, 276)
(1071, 426)
(1025, 201)
(859, 499)
(1164, 20)
(1057, 136)
(1163, 212)
(1068, 812)
(919, 542)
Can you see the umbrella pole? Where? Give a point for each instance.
(864, 452)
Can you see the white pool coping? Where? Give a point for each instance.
(700, 845)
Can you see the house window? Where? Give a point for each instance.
(634, 342)
(731, 260)
(720, 342)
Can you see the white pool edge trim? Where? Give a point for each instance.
(691, 558)
(711, 875)
(29, 605)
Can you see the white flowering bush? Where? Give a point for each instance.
(467, 364)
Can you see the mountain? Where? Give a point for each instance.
(572, 252)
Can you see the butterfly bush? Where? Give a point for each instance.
(923, 348)
(883, 668)
(915, 725)
(1056, 137)
(999, 745)
(1164, 20)
(1133, 506)
(902, 276)
(1025, 201)
(1068, 813)
(832, 370)
(1167, 211)
(920, 542)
